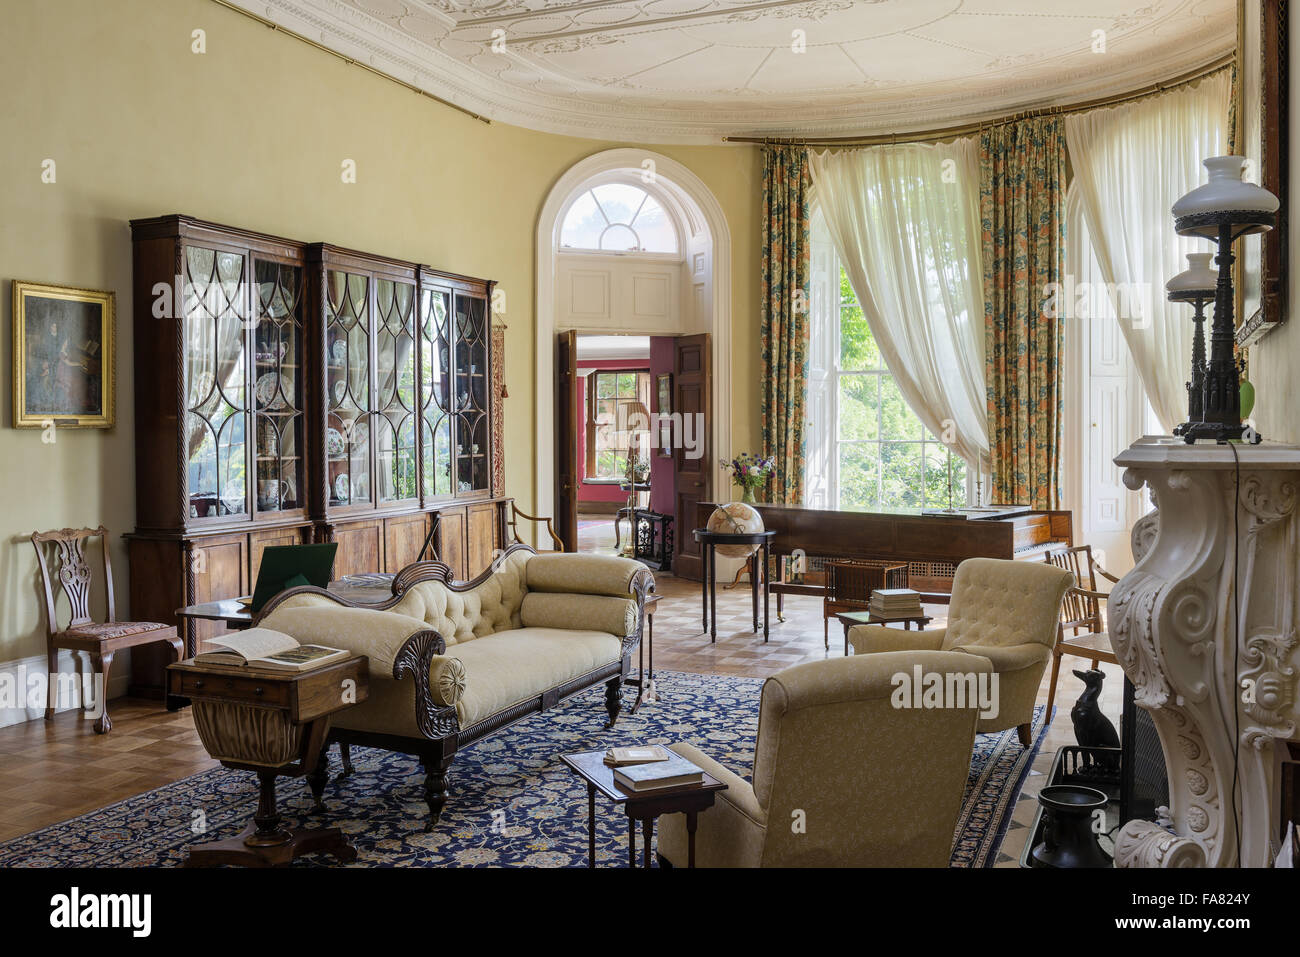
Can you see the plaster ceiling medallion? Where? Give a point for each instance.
(697, 70)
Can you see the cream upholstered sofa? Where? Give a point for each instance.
(1006, 611)
(452, 662)
(841, 777)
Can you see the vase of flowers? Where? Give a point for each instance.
(750, 472)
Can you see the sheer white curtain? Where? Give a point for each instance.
(1131, 162)
(904, 221)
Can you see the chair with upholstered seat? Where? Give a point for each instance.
(843, 776)
(1006, 611)
(98, 639)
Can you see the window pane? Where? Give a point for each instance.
(859, 476)
(619, 238)
(604, 386)
(901, 477)
(936, 479)
(858, 349)
(619, 201)
(583, 224)
(655, 229)
(897, 421)
(627, 385)
(859, 407)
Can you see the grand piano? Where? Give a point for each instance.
(931, 541)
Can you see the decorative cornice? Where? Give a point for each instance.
(445, 50)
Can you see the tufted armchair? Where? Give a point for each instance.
(842, 777)
(1008, 612)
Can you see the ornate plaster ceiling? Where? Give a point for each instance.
(695, 70)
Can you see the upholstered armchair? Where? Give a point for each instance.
(1008, 612)
(841, 777)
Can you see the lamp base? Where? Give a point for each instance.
(1220, 432)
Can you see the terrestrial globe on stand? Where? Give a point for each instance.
(736, 518)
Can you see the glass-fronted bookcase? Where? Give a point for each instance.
(289, 393)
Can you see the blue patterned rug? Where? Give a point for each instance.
(512, 803)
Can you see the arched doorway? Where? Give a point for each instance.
(705, 293)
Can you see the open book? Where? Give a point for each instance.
(264, 648)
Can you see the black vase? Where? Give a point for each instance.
(1068, 838)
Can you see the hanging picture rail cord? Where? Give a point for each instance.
(966, 129)
(347, 59)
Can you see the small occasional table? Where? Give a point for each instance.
(851, 618)
(644, 677)
(273, 723)
(645, 807)
(709, 541)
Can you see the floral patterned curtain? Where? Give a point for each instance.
(784, 316)
(1022, 211)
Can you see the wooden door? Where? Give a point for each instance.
(566, 439)
(692, 397)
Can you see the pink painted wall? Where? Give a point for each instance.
(587, 491)
(663, 495)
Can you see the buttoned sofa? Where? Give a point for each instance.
(452, 662)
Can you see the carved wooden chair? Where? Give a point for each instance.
(1083, 619)
(512, 523)
(849, 585)
(99, 639)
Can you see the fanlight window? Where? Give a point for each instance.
(617, 217)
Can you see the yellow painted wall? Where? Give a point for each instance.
(253, 133)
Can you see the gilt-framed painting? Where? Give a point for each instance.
(64, 353)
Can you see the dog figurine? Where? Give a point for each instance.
(1092, 729)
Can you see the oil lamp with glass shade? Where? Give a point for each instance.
(1223, 210)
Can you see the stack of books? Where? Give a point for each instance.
(652, 767)
(895, 603)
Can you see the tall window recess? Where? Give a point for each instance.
(618, 217)
(611, 399)
(1106, 405)
(877, 455)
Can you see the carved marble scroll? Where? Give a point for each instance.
(1212, 651)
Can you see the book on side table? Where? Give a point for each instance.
(673, 772)
(265, 648)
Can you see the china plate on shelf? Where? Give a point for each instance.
(334, 444)
(339, 350)
(267, 392)
(342, 492)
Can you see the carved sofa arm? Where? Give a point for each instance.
(396, 645)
